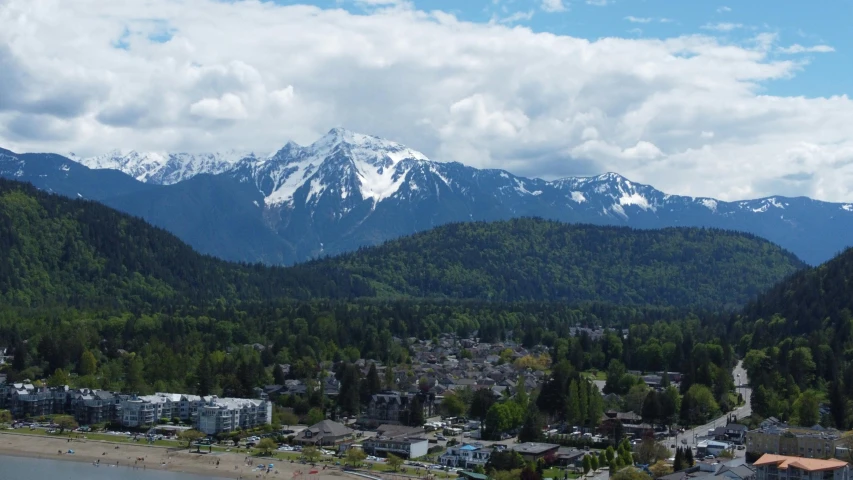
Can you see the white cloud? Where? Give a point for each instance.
(724, 9)
(514, 17)
(634, 19)
(722, 26)
(599, 3)
(553, 6)
(689, 114)
(797, 48)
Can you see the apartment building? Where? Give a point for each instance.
(25, 400)
(783, 467)
(390, 407)
(219, 415)
(781, 439)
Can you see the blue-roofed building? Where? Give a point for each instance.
(468, 455)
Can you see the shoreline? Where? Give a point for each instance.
(150, 457)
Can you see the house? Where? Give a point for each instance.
(327, 432)
(533, 451)
(783, 467)
(468, 455)
(780, 439)
(570, 456)
(402, 441)
(735, 469)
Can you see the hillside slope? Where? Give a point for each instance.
(541, 260)
(797, 343)
(77, 252)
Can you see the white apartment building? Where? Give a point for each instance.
(210, 415)
(228, 414)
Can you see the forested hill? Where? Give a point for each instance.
(539, 260)
(797, 340)
(81, 253)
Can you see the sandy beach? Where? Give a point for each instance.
(216, 464)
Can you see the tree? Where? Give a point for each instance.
(587, 466)
(636, 396)
(5, 416)
(688, 457)
(374, 384)
(701, 403)
(505, 460)
(190, 436)
(529, 474)
(649, 451)
(678, 463)
(573, 413)
(394, 461)
(453, 405)
(59, 378)
(266, 446)
(416, 413)
(204, 375)
(593, 462)
(315, 415)
(651, 411)
(481, 402)
(311, 454)
(531, 430)
(88, 364)
(807, 408)
(288, 418)
(64, 422)
(660, 468)
(355, 456)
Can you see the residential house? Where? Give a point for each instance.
(735, 469)
(402, 441)
(324, 433)
(783, 467)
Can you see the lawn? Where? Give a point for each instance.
(557, 473)
(595, 375)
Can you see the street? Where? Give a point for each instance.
(697, 434)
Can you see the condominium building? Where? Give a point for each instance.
(781, 439)
(392, 407)
(783, 467)
(219, 415)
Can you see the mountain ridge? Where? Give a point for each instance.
(348, 190)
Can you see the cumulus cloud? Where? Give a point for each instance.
(688, 114)
(724, 9)
(722, 26)
(797, 48)
(634, 19)
(553, 6)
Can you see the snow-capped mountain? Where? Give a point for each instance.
(348, 190)
(164, 168)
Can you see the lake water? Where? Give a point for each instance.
(20, 468)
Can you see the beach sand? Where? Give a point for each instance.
(217, 464)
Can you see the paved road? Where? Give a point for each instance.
(697, 434)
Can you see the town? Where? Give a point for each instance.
(448, 407)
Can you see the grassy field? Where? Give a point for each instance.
(558, 473)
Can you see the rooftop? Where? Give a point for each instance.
(534, 447)
(808, 464)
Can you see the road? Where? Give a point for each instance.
(697, 434)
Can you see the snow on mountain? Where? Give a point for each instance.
(379, 167)
(164, 168)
